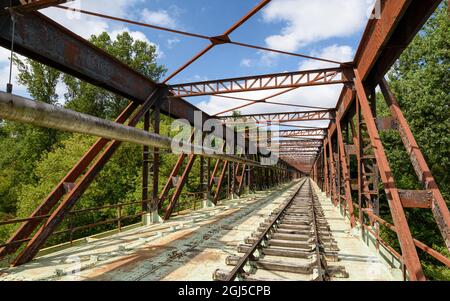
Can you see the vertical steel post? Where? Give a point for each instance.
(145, 167)
(325, 160)
(155, 179)
(346, 173)
(333, 171)
(359, 153)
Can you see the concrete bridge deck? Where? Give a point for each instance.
(193, 245)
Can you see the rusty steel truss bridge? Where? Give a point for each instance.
(323, 153)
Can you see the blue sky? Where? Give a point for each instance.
(327, 28)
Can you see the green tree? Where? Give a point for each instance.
(22, 145)
(139, 55)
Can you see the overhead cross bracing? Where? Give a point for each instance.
(265, 82)
(40, 38)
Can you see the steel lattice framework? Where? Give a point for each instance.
(265, 82)
(283, 117)
(324, 154)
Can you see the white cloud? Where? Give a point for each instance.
(246, 63)
(312, 21)
(159, 17)
(172, 42)
(84, 25)
(334, 52)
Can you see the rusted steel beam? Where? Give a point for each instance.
(42, 39)
(241, 180)
(282, 117)
(31, 5)
(386, 38)
(346, 173)
(297, 79)
(25, 230)
(169, 184)
(180, 186)
(22, 6)
(155, 167)
(298, 154)
(298, 133)
(293, 150)
(418, 243)
(332, 169)
(299, 142)
(220, 182)
(416, 198)
(398, 215)
(326, 174)
(56, 217)
(439, 207)
(145, 166)
(363, 188)
(213, 175)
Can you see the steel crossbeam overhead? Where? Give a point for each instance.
(301, 133)
(291, 133)
(298, 154)
(292, 150)
(281, 117)
(30, 5)
(298, 142)
(297, 79)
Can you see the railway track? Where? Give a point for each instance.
(294, 243)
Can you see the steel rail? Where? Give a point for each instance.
(247, 257)
(322, 273)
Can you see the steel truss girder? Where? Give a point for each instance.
(286, 80)
(405, 238)
(296, 149)
(290, 133)
(439, 207)
(30, 5)
(346, 173)
(280, 117)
